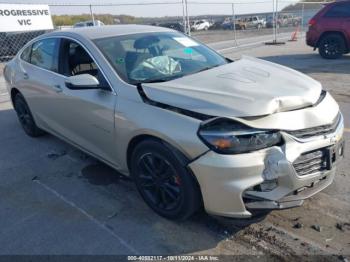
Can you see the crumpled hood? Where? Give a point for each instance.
(247, 87)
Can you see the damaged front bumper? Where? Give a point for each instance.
(273, 178)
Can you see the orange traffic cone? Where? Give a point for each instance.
(294, 36)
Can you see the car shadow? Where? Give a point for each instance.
(312, 63)
(201, 223)
(101, 174)
(106, 195)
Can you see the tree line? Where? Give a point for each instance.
(108, 19)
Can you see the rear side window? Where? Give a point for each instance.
(45, 54)
(26, 54)
(339, 10)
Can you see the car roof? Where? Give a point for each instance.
(96, 32)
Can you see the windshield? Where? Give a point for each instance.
(157, 57)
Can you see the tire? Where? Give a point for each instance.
(25, 117)
(331, 46)
(163, 181)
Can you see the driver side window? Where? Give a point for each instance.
(75, 60)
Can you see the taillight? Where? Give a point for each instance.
(312, 22)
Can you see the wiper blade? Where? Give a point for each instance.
(158, 80)
(205, 69)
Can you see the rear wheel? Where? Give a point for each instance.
(332, 46)
(163, 181)
(25, 117)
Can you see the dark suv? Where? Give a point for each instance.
(329, 30)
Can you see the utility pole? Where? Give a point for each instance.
(188, 19)
(274, 19)
(275, 24)
(277, 15)
(184, 17)
(302, 19)
(234, 23)
(92, 15)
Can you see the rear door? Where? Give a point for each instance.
(337, 18)
(346, 25)
(37, 79)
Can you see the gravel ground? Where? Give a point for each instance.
(56, 200)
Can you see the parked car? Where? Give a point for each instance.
(270, 22)
(176, 26)
(280, 22)
(189, 126)
(295, 21)
(89, 23)
(329, 30)
(254, 22)
(227, 24)
(200, 25)
(288, 20)
(217, 25)
(239, 24)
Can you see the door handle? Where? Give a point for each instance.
(57, 88)
(25, 76)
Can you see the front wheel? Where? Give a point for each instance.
(331, 46)
(163, 181)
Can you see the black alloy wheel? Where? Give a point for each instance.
(332, 46)
(165, 184)
(159, 181)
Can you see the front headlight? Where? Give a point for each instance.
(226, 136)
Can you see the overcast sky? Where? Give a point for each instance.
(241, 7)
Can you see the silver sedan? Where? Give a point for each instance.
(192, 128)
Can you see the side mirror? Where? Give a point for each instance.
(83, 81)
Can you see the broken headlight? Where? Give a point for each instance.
(229, 137)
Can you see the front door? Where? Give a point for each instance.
(86, 116)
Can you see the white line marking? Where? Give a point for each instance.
(98, 223)
(248, 39)
(247, 45)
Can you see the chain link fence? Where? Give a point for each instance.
(209, 22)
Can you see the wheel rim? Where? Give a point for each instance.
(159, 182)
(23, 115)
(332, 47)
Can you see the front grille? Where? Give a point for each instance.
(316, 131)
(311, 162)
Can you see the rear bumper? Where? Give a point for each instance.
(312, 38)
(231, 185)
